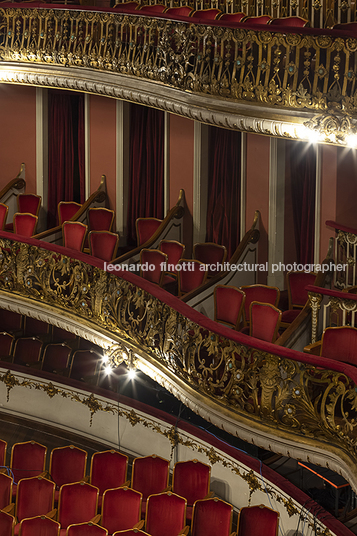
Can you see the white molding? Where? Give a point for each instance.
(87, 145)
(317, 206)
(276, 211)
(42, 154)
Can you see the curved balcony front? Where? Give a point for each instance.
(281, 81)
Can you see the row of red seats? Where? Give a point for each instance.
(211, 14)
(166, 512)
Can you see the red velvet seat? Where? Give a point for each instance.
(130, 532)
(182, 11)
(211, 254)
(152, 265)
(7, 523)
(228, 305)
(191, 480)
(39, 526)
(212, 517)
(86, 529)
(108, 470)
(206, 14)
(6, 345)
(61, 335)
(3, 449)
(264, 321)
(150, 474)
(146, 228)
(5, 490)
(298, 296)
(29, 203)
(67, 210)
(10, 322)
(174, 251)
(27, 351)
(25, 224)
(340, 343)
(127, 6)
(27, 460)
(121, 509)
(74, 234)
(295, 22)
(232, 17)
(191, 275)
(257, 520)
(56, 358)
(260, 293)
(78, 503)
(67, 465)
(103, 245)
(260, 19)
(35, 328)
(4, 209)
(34, 497)
(100, 219)
(84, 366)
(166, 515)
(153, 8)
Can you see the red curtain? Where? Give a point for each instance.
(146, 166)
(65, 150)
(301, 166)
(223, 207)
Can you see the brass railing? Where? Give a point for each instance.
(304, 71)
(345, 254)
(308, 400)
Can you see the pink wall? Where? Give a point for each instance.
(103, 144)
(18, 140)
(257, 191)
(328, 194)
(181, 145)
(346, 192)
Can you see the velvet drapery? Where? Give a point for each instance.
(146, 166)
(66, 176)
(223, 204)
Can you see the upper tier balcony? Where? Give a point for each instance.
(277, 79)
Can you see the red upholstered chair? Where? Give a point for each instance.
(174, 251)
(121, 509)
(61, 335)
(56, 358)
(295, 22)
(127, 6)
(191, 480)
(339, 343)
(298, 296)
(150, 474)
(84, 366)
(78, 503)
(108, 470)
(3, 449)
(264, 321)
(260, 19)
(5, 490)
(260, 293)
(211, 517)
(30, 203)
(66, 210)
(7, 523)
(228, 305)
(35, 328)
(103, 245)
(10, 322)
(232, 17)
(67, 465)
(6, 344)
(34, 497)
(182, 11)
(257, 520)
(100, 219)
(153, 258)
(86, 529)
(130, 532)
(210, 254)
(25, 224)
(74, 234)
(28, 351)
(4, 209)
(206, 14)
(166, 515)
(192, 275)
(146, 228)
(153, 8)
(39, 526)
(27, 460)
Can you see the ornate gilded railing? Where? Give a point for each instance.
(345, 254)
(264, 393)
(306, 70)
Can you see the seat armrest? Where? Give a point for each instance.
(184, 531)
(167, 489)
(314, 348)
(209, 495)
(9, 509)
(139, 524)
(126, 484)
(52, 513)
